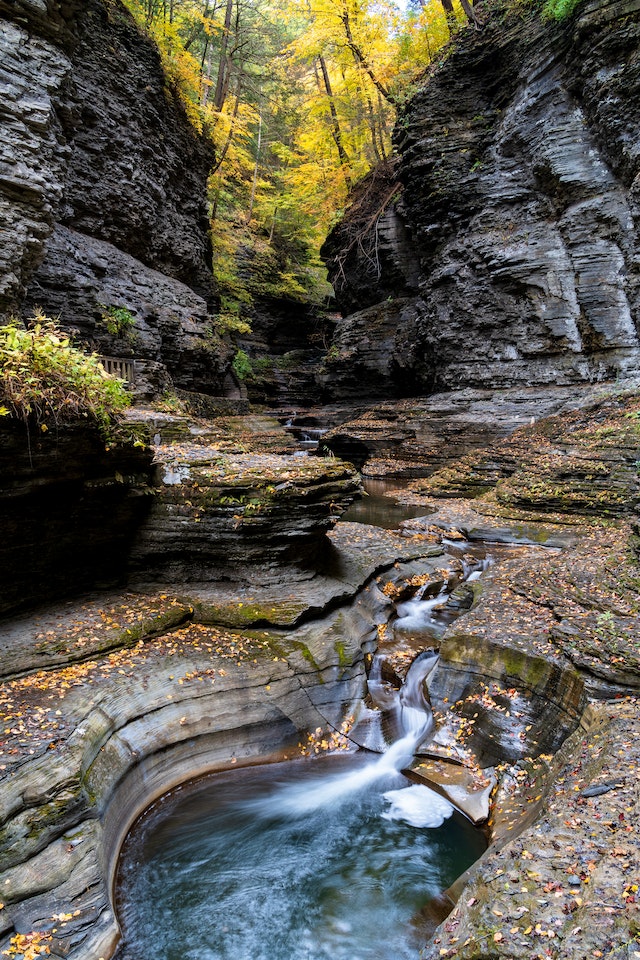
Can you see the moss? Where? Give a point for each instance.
(308, 656)
(536, 534)
(241, 615)
(507, 661)
(340, 648)
(46, 818)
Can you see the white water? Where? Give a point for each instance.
(418, 805)
(421, 615)
(204, 878)
(416, 723)
(416, 614)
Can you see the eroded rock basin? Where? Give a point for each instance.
(274, 863)
(117, 730)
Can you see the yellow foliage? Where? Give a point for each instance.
(305, 110)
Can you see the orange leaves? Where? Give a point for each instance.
(29, 946)
(321, 741)
(39, 712)
(37, 943)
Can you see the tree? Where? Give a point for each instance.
(299, 97)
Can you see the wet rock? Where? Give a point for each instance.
(580, 461)
(503, 703)
(416, 438)
(468, 790)
(561, 883)
(172, 700)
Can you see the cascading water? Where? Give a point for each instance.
(415, 720)
(299, 860)
(417, 613)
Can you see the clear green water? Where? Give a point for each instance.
(293, 861)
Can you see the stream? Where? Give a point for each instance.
(339, 858)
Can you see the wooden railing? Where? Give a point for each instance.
(117, 367)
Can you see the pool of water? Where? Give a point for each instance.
(326, 859)
(379, 506)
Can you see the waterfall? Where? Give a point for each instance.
(411, 718)
(416, 614)
(416, 722)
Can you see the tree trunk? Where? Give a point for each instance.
(452, 22)
(222, 83)
(234, 116)
(254, 182)
(360, 58)
(472, 16)
(336, 132)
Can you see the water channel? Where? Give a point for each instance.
(336, 858)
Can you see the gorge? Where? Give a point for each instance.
(184, 600)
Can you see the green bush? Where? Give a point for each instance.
(45, 381)
(242, 366)
(559, 9)
(120, 322)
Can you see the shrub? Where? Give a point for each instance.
(242, 366)
(44, 380)
(119, 322)
(559, 9)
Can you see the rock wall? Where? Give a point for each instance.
(519, 174)
(286, 346)
(103, 191)
(69, 511)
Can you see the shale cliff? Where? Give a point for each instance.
(103, 192)
(501, 248)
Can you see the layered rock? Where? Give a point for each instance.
(519, 705)
(174, 698)
(171, 341)
(180, 694)
(560, 881)
(225, 499)
(581, 462)
(409, 438)
(103, 191)
(220, 517)
(369, 265)
(519, 163)
(285, 349)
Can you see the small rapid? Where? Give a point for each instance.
(416, 722)
(418, 612)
